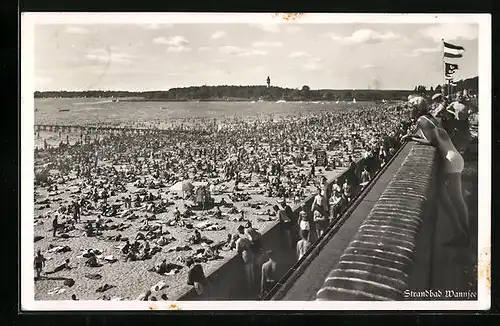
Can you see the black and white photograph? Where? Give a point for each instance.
(255, 161)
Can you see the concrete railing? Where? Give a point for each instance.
(379, 263)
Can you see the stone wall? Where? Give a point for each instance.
(380, 261)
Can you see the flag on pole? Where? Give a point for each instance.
(452, 50)
(450, 68)
(453, 47)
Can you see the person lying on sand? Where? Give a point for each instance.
(165, 268)
(163, 241)
(58, 249)
(59, 268)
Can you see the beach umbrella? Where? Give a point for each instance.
(177, 186)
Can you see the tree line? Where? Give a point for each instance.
(234, 93)
(469, 84)
(272, 93)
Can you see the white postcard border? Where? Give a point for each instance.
(28, 21)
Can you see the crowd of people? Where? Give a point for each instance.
(120, 179)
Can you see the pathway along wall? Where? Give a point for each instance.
(228, 281)
(393, 242)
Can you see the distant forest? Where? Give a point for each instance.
(273, 93)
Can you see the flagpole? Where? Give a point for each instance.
(444, 65)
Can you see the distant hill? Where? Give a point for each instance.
(273, 93)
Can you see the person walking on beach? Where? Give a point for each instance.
(55, 226)
(39, 263)
(76, 211)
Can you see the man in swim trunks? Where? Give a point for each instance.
(39, 263)
(268, 274)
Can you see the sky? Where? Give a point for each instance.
(139, 57)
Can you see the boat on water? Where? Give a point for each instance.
(252, 102)
(63, 110)
(280, 101)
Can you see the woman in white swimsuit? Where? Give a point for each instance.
(430, 132)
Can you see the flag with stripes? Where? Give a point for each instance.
(450, 68)
(452, 50)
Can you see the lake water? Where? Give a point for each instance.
(104, 111)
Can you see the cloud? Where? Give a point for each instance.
(156, 26)
(218, 35)
(76, 30)
(292, 29)
(314, 64)
(204, 48)
(267, 44)
(367, 36)
(451, 32)
(299, 54)
(234, 50)
(420, 51)
(108, 56)
(369, 66)
(178, 49)
(270, 28)
(172, 41)
(42, 80)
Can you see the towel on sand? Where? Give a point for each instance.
(158, 286)
(57, 290)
